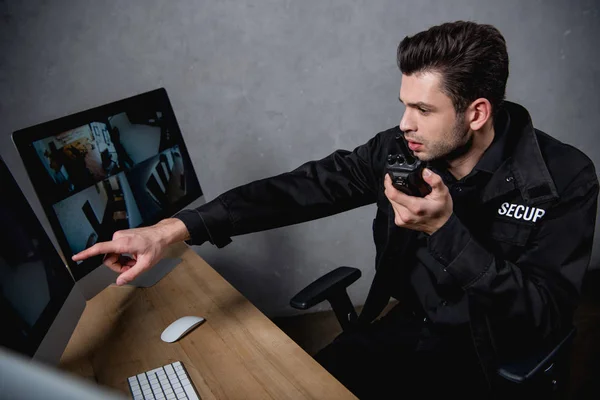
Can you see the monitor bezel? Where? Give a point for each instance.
(24, 139)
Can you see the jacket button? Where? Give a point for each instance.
(509, 179)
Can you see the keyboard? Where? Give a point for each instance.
(169, 382)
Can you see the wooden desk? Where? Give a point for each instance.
(237, 353)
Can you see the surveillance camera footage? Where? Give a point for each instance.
(113, 174)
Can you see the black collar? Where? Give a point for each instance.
(524, 167)
(514, 160)
(494, 155)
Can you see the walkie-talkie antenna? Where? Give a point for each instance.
(408, 154)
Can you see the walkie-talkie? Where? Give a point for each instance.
(406, 171)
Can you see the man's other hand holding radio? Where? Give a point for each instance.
(426, 214)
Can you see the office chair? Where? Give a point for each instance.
(541, 373)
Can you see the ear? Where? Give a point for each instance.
(478, 113)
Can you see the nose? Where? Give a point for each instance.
(407, 123)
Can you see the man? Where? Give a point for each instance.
(489, 263)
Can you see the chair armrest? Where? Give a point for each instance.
(528, 368)
(324, 287)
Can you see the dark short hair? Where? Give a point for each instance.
(471, 58)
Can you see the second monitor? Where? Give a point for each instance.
(122, 165)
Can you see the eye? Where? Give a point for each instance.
(423, 111)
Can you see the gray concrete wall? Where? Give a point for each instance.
(261, 86)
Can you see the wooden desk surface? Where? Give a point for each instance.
(237, 353)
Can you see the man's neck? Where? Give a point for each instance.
(463, 165)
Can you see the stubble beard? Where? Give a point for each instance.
(458, 143)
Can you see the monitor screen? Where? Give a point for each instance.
(122, 165)
(34, 282)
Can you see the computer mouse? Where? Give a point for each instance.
(180, 328)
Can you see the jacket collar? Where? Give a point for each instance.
(524, 167)
(494, 155)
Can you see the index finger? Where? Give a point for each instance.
(97, 249)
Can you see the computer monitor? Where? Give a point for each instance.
(22, 379)
(39, 303)
(118, 166)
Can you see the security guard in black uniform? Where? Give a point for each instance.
(490, 262)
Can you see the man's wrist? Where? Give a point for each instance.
(173, 230)
(439, 225)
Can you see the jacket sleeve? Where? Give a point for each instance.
(540, 290)
(341, 181)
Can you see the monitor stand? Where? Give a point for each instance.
(156, 273)
(98, 279)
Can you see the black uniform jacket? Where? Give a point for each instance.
(520, 267)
